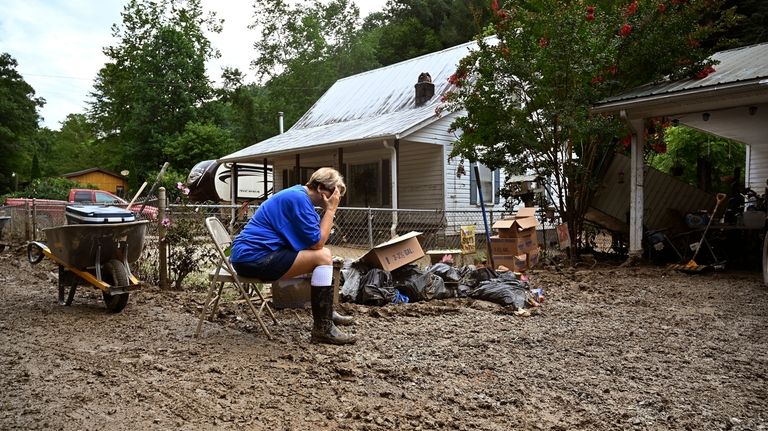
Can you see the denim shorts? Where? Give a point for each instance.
(270, 267)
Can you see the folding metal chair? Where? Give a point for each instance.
(225, 273)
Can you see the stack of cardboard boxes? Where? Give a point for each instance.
(516, 245)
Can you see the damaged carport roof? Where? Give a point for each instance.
(377, 104)
(738, 69)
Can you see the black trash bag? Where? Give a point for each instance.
(351, 276)
(472, 277)
(418, 285)
(376, 288)
(445, 271)
(504, 291)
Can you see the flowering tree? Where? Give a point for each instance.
(525, 93)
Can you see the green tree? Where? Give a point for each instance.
(75, 138)
(686, 147)
(409, 28)
(527, 93)
(18, 120)
(302, 51)
(198, 142)
(154, 81)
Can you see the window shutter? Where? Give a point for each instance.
(496, 186)
(472, 184)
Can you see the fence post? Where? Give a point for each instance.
(370, 227)
(27, 217)
(163, 251)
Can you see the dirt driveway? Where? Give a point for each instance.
(612, 348)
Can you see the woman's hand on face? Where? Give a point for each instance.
(332, 201)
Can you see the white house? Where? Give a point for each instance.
(381, 130)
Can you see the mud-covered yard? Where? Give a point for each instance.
(611, 348)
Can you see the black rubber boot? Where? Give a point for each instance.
(323, 328)
(341, 319)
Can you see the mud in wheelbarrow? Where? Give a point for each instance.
(95, 254)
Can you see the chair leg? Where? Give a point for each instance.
(216, 301)
(205, 305)
(256, 313)
(265, 305)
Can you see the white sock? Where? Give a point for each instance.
(322, 275)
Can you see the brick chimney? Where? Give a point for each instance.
(425, 89)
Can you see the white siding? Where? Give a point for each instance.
(420, 176)
(435, 133)
(757, 167)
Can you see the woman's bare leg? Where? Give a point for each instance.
(307, 260)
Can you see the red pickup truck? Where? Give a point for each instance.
(85, 197)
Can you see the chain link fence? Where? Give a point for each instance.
(190, 255)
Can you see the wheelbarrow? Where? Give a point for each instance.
(97, 254)
(3, 221)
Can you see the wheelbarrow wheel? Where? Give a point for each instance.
(118, 275)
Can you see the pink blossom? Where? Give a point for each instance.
(631, 9)
(166, 222)
(625, 30)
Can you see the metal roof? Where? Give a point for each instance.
(370, 105)
(736, 65)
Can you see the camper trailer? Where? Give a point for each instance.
(212, 181)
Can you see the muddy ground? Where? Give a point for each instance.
(611, 348)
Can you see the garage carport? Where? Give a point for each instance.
(731, 102)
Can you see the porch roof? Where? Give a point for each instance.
(374, 105)
(734, 98)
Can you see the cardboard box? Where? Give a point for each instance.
(514, 246)
(522, 223)
(396, 252)
(292, 292)
(517, 263)
(533, 259)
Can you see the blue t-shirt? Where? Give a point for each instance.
(286, 220)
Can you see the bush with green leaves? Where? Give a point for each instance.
(49, 188)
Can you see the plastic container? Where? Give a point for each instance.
(94, 214)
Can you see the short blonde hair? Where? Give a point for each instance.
(329, 178)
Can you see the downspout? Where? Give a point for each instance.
(393, 173)
(637, 182)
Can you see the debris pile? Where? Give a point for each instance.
(368, 285)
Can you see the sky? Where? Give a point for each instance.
(58, 45)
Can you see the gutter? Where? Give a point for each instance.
(680, 96)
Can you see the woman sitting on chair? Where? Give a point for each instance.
(286, 237)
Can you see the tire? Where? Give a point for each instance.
(116, 274)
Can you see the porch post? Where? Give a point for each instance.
(637, 182)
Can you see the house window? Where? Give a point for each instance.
(289, 177)
(364, 185)
(489, 182)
